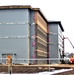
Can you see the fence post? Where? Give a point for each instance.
(10, 66)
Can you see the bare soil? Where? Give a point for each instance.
(30, 69)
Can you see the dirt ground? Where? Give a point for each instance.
(30, 69)
(23, 69)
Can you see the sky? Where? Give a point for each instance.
(56, 10)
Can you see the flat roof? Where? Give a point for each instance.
(57, 22)
(23, 7)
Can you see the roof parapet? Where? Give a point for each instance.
(57, 22)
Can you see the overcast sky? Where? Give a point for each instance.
(62, 10)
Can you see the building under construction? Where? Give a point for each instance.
(56, 45)
(26, 34)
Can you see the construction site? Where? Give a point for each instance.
(29, 43)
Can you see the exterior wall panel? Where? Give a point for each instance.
(14, 15)
(23, 34)
(32, 37)
(53, 53)
(41, 38)
(41, 22)
(55, 42)
(14, 34)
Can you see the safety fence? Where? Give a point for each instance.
(10, 62)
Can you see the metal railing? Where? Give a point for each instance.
(25, 59)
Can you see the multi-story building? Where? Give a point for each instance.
(26, 35)
(23, 34)
(56, 45)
